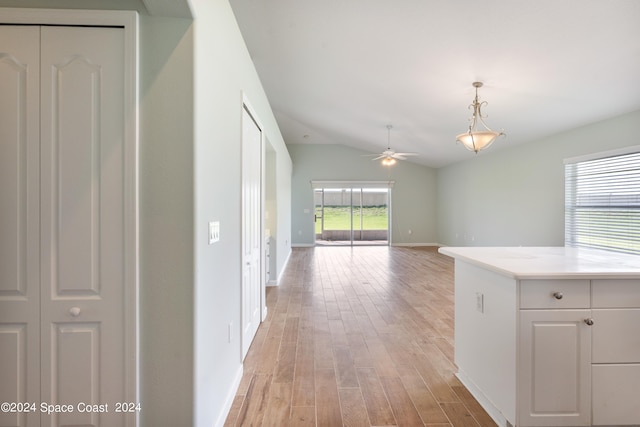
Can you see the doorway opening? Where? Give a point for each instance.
(352, 215)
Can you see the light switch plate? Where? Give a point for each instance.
(214, 232)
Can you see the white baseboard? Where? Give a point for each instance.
(482, 399)
(284, 267)
(311, 245)
(411, 245)
(231, 395)
(281, 272)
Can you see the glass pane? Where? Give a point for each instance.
(337, 216)
(352, 216)
(317, 198)
(375, 216)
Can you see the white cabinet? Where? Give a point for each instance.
(549, 336)
(616, 390)
(616, 352)
(555, 353)
(555, 368)
(579, 365)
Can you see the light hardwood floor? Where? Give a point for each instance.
(357, 336)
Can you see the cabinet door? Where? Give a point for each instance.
(554, 369)
(615, 336)
(616, 389)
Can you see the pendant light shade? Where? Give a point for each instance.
(475, 138)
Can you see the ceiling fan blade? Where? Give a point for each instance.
(406, 154)
(397, 156)
(380, 156)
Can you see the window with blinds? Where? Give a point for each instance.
(602, 202)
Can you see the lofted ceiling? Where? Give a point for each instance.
(340, 71)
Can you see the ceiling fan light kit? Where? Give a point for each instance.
(388, 161)
(475, 138)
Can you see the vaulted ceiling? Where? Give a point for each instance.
(340, 71)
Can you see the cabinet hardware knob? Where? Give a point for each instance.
(558, 295)
(74, 311)
(588, 321)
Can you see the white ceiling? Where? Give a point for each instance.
(340, 71)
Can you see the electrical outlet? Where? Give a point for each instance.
(480, 302)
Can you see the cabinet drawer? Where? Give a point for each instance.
(555, 294)
(615, 390)
(615, 335)
(616, 293)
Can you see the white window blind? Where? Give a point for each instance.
(602, 203)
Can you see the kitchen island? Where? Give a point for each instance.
(549, 336)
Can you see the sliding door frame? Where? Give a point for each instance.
(353, 185)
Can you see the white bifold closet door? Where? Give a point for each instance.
(62, 224)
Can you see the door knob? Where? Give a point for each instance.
(588, 321)
(74, 311)
(558, 295)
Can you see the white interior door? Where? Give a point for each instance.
(19, 220)
(251, 228)
(62, 294)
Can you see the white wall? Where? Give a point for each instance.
(223, 73)
(192, 76)
(413, 196)
(515, 196)
(166, 221)
(166, 210)
(278, 181)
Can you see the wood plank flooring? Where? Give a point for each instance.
(357, 336)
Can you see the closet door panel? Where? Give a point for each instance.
(19, 221)
(82, 220)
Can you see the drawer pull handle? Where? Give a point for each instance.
(588, 321)
(558, 295)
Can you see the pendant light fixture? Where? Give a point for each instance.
(476, 139)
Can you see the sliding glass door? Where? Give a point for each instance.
(352, 216)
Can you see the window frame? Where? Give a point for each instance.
(602, 211)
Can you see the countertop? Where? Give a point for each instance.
(549, 262)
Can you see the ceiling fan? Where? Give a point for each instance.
(389, 156)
